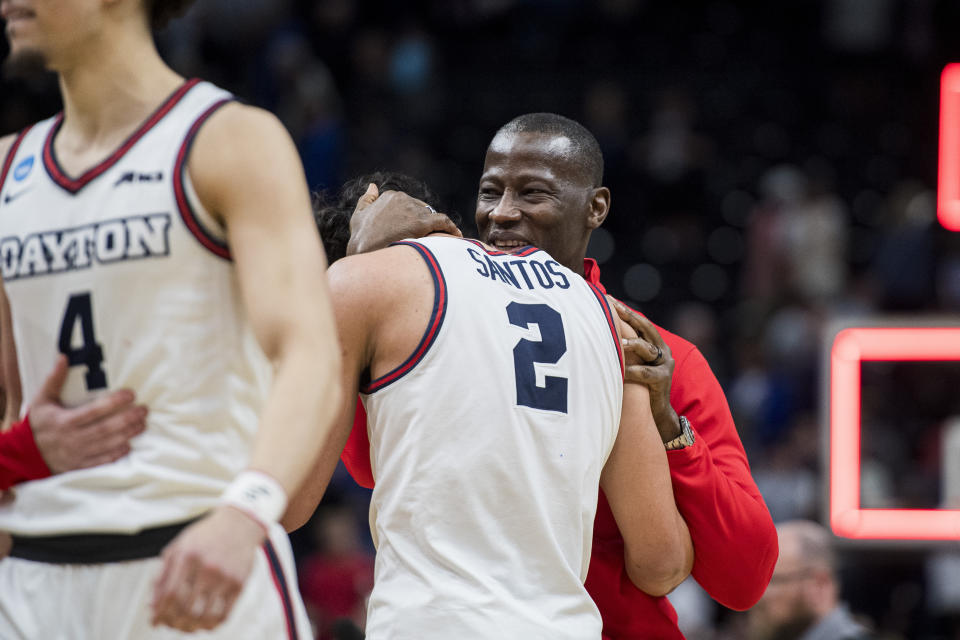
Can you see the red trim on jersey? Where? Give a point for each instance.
(73, 185)
(433, 327)
(523, 253)
(280, 582)
(207, 239)
(11, 154)
(602, 299)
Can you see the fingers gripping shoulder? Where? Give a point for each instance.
(625, 331)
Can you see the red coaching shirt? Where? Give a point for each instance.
(734, 539)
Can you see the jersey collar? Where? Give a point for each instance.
(591, 273)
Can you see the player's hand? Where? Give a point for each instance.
(380, 219)
(204, 570)
(649, 362)
(91, 434)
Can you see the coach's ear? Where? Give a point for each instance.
(599, 207)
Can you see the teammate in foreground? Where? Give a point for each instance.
(160, 236)
(493, 386)
(542, 185)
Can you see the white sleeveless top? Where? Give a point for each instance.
(487, 446)
(123, 270)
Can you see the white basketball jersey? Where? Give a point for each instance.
(123, 270)
(487, 446)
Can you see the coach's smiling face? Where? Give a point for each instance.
(535, 191)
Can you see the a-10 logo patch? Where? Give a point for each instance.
(133, 177)
(105, 242)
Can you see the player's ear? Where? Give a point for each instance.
(599, 207)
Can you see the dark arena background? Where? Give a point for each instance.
(774, 171)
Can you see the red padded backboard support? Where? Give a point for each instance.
(948, 178)
(850, 348)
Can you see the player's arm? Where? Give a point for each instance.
(356, 308)
(382, 301)
(731, 527)
(255, 183)
(246, 171)
(9, 370)
(6, 334)
(658, 551)
(9, 374)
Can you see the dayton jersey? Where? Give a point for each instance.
(122, 270)
(487, 446)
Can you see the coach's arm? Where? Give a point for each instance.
(732, 530)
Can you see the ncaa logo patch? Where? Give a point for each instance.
(23, 168)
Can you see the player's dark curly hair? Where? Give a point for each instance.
(333, 214)
(162, 11)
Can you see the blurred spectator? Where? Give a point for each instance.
(943, 567)
(695, 610)
(803, 599)
(336, 580)
(816, 241)
(903, 268)
(858, 26)
(673, 154)
(606, 116)
(306, 100)
(765, 268)
(787, 476)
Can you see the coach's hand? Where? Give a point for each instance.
(380, 219)
(204, 570)
(652, 367)
(91, 434)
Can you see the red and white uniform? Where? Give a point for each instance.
(733, 534)
(487, 445)
(122, 269)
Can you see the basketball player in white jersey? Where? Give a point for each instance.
(483, 375)
(159, 235)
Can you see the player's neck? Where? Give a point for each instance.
(110, 87)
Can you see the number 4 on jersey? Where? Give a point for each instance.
(89, 353)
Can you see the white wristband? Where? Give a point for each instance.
(258, 495)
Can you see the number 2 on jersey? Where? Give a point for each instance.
(89, 353)
(552, 345)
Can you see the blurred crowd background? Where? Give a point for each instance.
(773, 168)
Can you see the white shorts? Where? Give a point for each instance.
(111, 601)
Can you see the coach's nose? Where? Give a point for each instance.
(507, 209)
